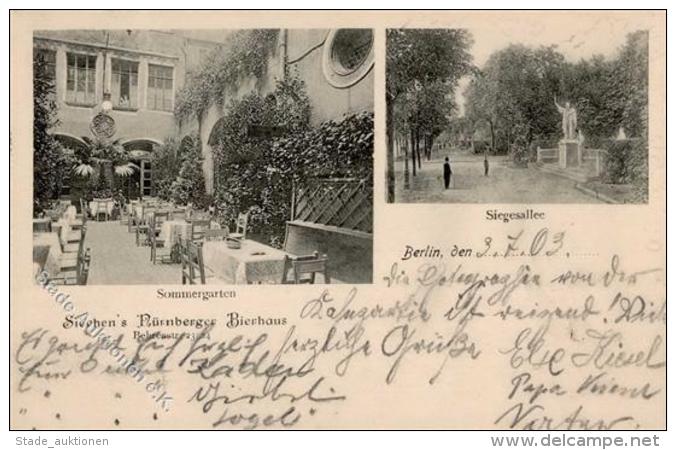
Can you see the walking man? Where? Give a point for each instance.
(447, 173)
(485, 165)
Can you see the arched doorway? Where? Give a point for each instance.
(140, 184)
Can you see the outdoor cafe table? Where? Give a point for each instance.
(47, 252)
(108, 204)
(252, 263)
(171, 230)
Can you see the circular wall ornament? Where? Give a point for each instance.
(348, 56)
(102, 126)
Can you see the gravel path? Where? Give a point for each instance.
(504, 184)
(117, 260)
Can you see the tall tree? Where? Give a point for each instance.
(516, 90)
(632, 71)
(421, 56)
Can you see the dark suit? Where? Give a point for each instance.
(447, 174)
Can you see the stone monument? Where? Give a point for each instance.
(570, 147)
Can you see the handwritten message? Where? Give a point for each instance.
(547, 338)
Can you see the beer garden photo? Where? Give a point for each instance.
(203, 156)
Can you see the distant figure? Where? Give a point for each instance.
(447, 173)
(485, 165)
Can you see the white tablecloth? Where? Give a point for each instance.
(253, 263)
(171, 230)
(65, 231)
(106, 205)
(70, 214)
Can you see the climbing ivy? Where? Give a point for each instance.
(263, 185)
(287, 108)
(246, 54)
(49, 163)
(188, 187)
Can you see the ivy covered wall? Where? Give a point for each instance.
(320, 130)
(253, 62)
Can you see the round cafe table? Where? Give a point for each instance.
(171, 230)
(101, 205)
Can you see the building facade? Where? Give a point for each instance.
(142, 70)
(336, 66)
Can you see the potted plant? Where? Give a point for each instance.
(99, 154)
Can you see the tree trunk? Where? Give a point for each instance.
(426, 149)
(417, 147)
(418, 154)
(390, 151)
(490, 124)
(407, 182)
(413, 146)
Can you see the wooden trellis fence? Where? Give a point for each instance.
(340, 202)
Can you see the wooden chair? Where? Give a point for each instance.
(84, 209)
(71, 256)
(133, 216)
(123, 212)
(215, 235)
(241, 226)
(193, 270)
(80, 219)
(304, 269)
(154, 228)
(198, 228)
(75, 241)
(83, 275)
(178, 214)
(142, 226)
(74, 271)
(159, 217)
(192, 264)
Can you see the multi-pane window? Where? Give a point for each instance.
(47, 58)
(160, 87)
(81, 79)
(125, 84)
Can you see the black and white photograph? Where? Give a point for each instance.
(338, 220)
(513, 114)
(203, 156)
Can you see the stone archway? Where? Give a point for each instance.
(69, 141)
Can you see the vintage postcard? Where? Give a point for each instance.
(338, 220)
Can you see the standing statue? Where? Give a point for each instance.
(568, 120)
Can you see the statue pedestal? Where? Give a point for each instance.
(570, 153)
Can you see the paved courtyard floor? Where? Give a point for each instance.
(117, 260)
(504, 184)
